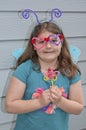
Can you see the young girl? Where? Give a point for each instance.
(39, 104)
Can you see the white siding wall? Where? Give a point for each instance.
(13, 35)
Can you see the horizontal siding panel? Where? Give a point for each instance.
(15, 27)
(7, 126)
(84, 93)
(78, 122)
(7, 60)
(6, 49)
(4, 81)
(68, 5)
(82, 66)
(5, 117)
(5, 77)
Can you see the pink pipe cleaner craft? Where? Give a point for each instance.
(49, 109)
(52, 76)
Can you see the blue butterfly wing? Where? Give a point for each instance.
(18, 52)
(75, 53)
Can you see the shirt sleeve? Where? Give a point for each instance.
(76, 78)
(22, 71)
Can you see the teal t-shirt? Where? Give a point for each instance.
(39, 120)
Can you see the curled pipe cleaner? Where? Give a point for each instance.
(57, 13)
(49, 109)
(51, 75)
(26, 14)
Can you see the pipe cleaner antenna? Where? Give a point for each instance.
(26, 14)
(56, 12)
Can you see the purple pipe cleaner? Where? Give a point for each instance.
(26, 14)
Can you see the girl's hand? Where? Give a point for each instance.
(44, 98)
(55, 94)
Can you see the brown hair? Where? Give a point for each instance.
(67, 67)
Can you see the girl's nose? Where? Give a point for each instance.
(48, 45)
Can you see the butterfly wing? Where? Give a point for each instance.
(18, 52)
(75, 53)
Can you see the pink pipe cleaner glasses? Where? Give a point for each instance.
(55, 39)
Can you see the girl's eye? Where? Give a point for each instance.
(41, 42)
(53, 40)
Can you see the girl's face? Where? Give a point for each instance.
(50, 46)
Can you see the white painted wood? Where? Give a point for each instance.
(7, 126)
(42, 5)
(7, 47)
(78, 122)
(16, 27)
(84, 93)
(4, 81)
(5, 117)
(82, 66)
